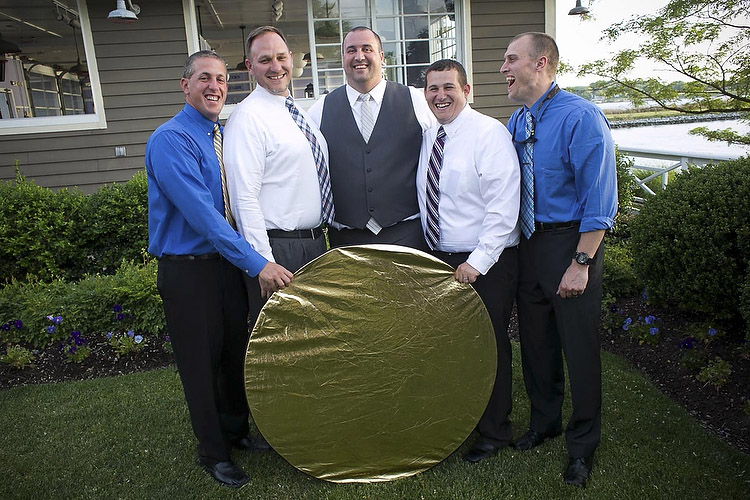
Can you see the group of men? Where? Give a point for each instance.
(519, 213)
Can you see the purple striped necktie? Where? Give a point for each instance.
(432, 233)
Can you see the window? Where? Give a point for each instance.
(414, 34)
(48, 78)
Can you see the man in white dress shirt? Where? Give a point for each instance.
(273, 174)
(374, 130)
(468, 186)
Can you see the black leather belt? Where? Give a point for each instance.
(205, 256)
(313, 233)
(554, 226)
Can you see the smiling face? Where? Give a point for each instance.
(206, 88)
(270, 62)
(445, 95)
(527, 75)
(363, 60)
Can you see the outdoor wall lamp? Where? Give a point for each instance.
(578, 10)
(125, 15)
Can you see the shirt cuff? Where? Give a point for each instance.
(480, 261)
(589, 224)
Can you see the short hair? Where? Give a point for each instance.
(543, 45)
(363, 28)
(262, 30)
(447, 65)
(189, 67)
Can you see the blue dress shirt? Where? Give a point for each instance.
(185, 204)
(575, 175)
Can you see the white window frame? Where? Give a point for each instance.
(67, 123)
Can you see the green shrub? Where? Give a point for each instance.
(116, 225)
(619, 279)
(85, 306)
(39, 230)
(691, 242)
(18, 357)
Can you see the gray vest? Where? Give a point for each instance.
(378, 178)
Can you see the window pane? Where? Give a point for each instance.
(324, 9)
(329, 57)
(49, 48)
(417, 52)
(416, 27)
(386, 7)
(441, 6)
(327, 32)
(394, 54)
(353, 8)
(330, 80)
(389, 28)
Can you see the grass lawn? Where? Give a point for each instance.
(130, 437)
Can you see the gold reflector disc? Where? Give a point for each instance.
(372, 365)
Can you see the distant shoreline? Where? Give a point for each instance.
(671, 120)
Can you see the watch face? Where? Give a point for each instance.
(583, 259)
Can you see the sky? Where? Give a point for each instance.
(578, 39)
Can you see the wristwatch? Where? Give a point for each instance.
(583, 258)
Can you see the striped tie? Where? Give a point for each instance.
(368, 122)
(224, 192)
(326, 197)
(432, 232)
(527, 179)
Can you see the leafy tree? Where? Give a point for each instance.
(706, 41)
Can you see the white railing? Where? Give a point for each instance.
(660, 163)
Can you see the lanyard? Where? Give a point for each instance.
(532, 138)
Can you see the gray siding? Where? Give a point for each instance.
(493, 24)
(139, 69)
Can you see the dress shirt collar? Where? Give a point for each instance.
(451, 128)
(279, 100)
(536, 108)
(377, 93)
(204, 123)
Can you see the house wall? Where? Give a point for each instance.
(493, 24)
(139, 68)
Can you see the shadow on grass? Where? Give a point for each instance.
(130, 437)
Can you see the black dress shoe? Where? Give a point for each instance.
(251, 444)
(480, 451)
(227, 473)
(578, 471)
(532, 439)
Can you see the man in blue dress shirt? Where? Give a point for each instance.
(569, 181)
(201, 263)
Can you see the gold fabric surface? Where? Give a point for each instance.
(372, 365)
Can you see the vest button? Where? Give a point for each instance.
(369, 169)
(372, 210)
(367, 151)
(369, 190)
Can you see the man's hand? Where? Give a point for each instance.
(466, 274)
(273, 277)
(574, 281)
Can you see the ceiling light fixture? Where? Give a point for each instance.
(578, 10)
(124, 15)
(241, 64)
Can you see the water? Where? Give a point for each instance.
(674, 139)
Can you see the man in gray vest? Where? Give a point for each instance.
(374, 131)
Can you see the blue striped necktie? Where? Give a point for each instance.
(432, 233)
(527, 179)
(326, 197)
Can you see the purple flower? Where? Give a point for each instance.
(131, 333)
(79, 341)
(628, 320)
(166, 338)
(688, 343)
(49, 317)
(5, 327)
(18, 324)
(109, 335)
(650, 319)
(51, 329)
(644, 296)
(120, 316)
(653, 330)
(613, 308)
(75, 334)
(626, 327)
(138, 339)
(117, 308)
(57, 320)
(72, 349)
(712, 332)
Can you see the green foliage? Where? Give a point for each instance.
(18, 357)
(704, 332)
(116, 225)
(691, 242)
(693, 359)
(64, 234)
(619, 279)
(746, 407)
(85, 306)
(643, 330)
(716, 373)
(126, 343)
(705, 42)
(626, 188)
(39, 230)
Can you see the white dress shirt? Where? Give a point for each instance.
(271, 175)
(480, 188)
(424, 116)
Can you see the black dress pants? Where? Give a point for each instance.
(549, 326)
(407, 233)
(497, 289)
(205, 304)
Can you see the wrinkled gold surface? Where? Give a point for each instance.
(372, 365)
